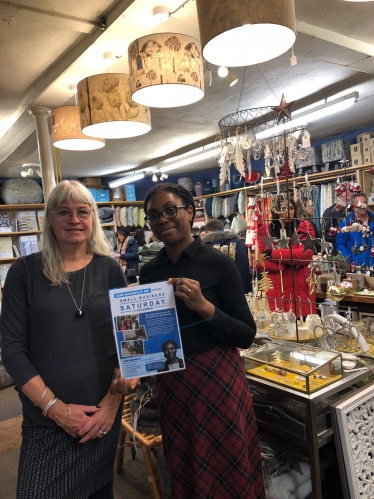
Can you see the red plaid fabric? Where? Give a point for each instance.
(209, 429)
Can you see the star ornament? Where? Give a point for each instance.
(268, 241)
(309, 243)
(260, 259)
(282, 243)
(283, 109)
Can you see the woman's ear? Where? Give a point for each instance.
(190, 213)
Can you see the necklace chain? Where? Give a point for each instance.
(79, 312)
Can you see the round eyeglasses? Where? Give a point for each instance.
(63, 215)
(168, 213)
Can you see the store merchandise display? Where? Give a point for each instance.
(299, 367)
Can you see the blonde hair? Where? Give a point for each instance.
(51, 257)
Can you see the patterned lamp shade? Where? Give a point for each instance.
(107, 110)
(166, 70)
(237, 33)
(66, 131)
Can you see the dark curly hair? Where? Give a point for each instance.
(175, 189)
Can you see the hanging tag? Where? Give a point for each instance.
(306, 180)
(278, 186)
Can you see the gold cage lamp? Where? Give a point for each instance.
(66, 131)
(166, 70)
(241, 33)
(107, 110)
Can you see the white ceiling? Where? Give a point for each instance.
(50, 44)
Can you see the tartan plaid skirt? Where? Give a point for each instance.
(209, 429)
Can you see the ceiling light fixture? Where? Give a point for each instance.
(254, 32)
(164, 176)
(29, 169)
(66, 131)
(309, 114)
(161, 14)
(166, 70)
(211, 153)
(231, 79)
(154, 177)
(107, 110)
(126, 180)
(223, 71)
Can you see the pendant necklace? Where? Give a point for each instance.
(79, 313)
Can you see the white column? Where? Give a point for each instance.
(41, 115)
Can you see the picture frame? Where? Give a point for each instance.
(353, 421)
(360, 278)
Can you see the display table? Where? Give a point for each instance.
(314, 440)
(360, 303)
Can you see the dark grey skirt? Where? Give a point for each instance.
(53, 465)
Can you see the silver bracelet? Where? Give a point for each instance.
(42, 397)
(49, 405)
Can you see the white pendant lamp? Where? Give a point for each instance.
(241, 33)
(66, 131)
(107, 110)
(166, 70)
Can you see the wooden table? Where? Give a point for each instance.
(360, 303)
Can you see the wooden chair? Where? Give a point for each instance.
(145, 442)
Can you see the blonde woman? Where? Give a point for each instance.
(58, 346)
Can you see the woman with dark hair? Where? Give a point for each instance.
(128, 253)
(207, 419)
(306, 209)
(287, 265)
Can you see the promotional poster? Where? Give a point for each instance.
(146, 330)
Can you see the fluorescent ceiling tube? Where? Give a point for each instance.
(194, 159)
(308, 114)
(126, 180)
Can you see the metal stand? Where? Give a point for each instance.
(314, 440)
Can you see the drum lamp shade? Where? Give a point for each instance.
(66, 131)
(166, 70)
(241, 33)
(107, 110)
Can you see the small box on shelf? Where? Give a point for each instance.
(365, 149)
(357, 160)
(363, 138)
(130, 192)
(92, 181)
(366, 159)
(356, 149)
(92, 192)
(102, 196)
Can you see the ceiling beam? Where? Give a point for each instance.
(333, 37)
(50, 76)
(10, 10)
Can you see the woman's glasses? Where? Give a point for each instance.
(64, 215)
(169, 213)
